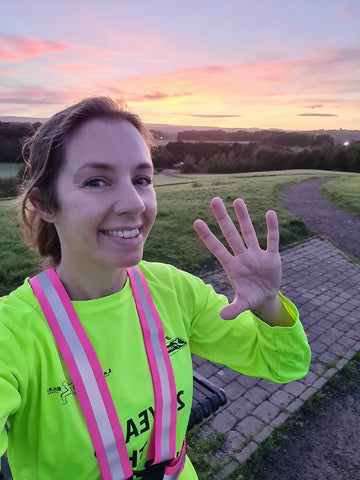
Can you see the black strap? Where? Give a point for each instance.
(151, 472)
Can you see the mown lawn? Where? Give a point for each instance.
(344, 190)
(173, 240)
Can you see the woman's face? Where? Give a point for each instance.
(106, 200)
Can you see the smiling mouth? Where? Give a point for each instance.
(122, 233)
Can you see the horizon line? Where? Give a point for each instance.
(26, 119)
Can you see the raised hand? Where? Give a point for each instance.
(255, 274)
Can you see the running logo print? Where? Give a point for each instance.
(174, 344)
(67, 388)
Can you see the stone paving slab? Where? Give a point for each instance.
(325, 286)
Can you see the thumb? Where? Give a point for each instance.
(233, 309)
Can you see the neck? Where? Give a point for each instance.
(83, 285)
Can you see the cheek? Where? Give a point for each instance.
(77, 215)
(153, 207)
(85, 208)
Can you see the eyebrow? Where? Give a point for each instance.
(107, 167)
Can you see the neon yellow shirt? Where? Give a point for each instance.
(48, 438)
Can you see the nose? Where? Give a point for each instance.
(128, 201)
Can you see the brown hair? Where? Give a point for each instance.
(43, 155)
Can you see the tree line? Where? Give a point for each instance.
(12, 136)
(224, 151)
(267, 137)
(206, 157)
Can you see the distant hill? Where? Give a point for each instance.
(171, 131)
(22, 119)
(339, 136)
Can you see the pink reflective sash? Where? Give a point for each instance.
(162, 441)
(91, 387)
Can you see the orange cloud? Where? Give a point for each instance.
(15, 48)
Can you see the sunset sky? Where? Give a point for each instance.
(290, 64)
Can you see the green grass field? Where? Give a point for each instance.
(16, 261)
(8, 170)
(344, 190)
(170, 177)
(182, 199)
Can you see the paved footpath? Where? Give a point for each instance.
(325, 286)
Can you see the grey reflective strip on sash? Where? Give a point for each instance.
(166, 411)
(86, 374)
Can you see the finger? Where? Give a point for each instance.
(272, 232)
(226, 225)
(212, 243)
(246, 226)
(233, 309)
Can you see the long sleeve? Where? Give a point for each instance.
(250, 346)
(245, 344)
(12, 368)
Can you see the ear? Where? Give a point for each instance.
(40, 206)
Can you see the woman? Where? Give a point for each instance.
(89, 204)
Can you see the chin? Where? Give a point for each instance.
(130, 262)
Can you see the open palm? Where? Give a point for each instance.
(255, 274)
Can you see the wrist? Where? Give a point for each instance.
(273, 312)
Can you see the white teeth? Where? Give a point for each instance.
(122, 233)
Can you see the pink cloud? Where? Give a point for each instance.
(33, 96)
(137, 94)
(239, 80)
(313, 107)
(15, 48)
(9, 70)
(318, 80)
(161, 96)
(78, 67)
(311, 81)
